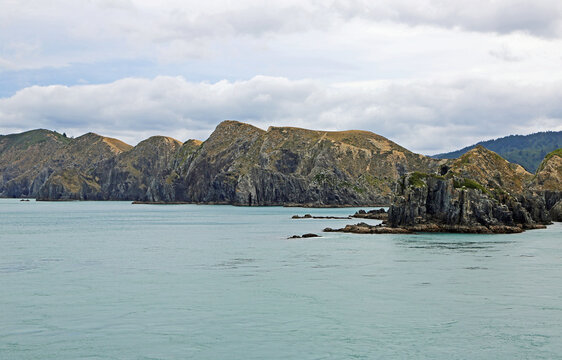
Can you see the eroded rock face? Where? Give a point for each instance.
(549, 174)
(29, 160)
(547, 182)
(434, 200)
(144, 173)
(556, 211)
(69, 173)
(26, 161)
(240, 164)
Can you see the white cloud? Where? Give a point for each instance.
(537, 17)
(425, 116)
(432, 75)
(172, 31)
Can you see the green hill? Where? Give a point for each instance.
(525, 150)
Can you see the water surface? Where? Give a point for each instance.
(112, 280)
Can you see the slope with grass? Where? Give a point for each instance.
(525, 150)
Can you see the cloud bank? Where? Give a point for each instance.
(432, 75)
(424, 116)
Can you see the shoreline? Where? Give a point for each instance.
(363, 228)
(140, 202)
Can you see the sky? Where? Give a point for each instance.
(431, 75)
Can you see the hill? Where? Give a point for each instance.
(491, 170)
(237, 164)
(525, 150)
(244, 165)
(29, 159)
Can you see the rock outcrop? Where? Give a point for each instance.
(238, 164)
(548, 182)
(241, 164)
(24, 161)
(41, 163)
(141, 173)
(144, 173)
(376, 214)
(244, 165)
(427, 202)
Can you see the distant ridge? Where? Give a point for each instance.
(525, 150)
(241, 164)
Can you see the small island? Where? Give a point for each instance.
(463, 199)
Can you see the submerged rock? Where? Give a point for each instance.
(362, 228)
(308, 216)
(303, 236)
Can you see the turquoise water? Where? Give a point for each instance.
(111, 280)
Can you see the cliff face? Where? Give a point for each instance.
(143, 173)
(480, 190)
(109, 173)
(548, 182)
(68, 171)
(549, 173)
(35, 159)
(454, 204)
(24, 161)
(242, 164)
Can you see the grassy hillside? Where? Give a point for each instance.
(525, 150)
(549, 173)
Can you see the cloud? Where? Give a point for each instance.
(538, 17)
(506, 54)
(98, 30)
(425, 116)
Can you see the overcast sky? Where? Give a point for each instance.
(432, 75)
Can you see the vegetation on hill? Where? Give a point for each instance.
(491, 170)
(525, 150)
(549, 173)
(242, 164)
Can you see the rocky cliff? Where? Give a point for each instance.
(548, 182)
(32, 159)
(241, 164)
(23, 161)
(426, 202)
(128, 173)
(479, 192)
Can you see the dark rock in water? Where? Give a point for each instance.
(308, 216)
(376, 214)
(304, 236)
(363, 228)
(309, 235)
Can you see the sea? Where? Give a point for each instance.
(113, 280)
